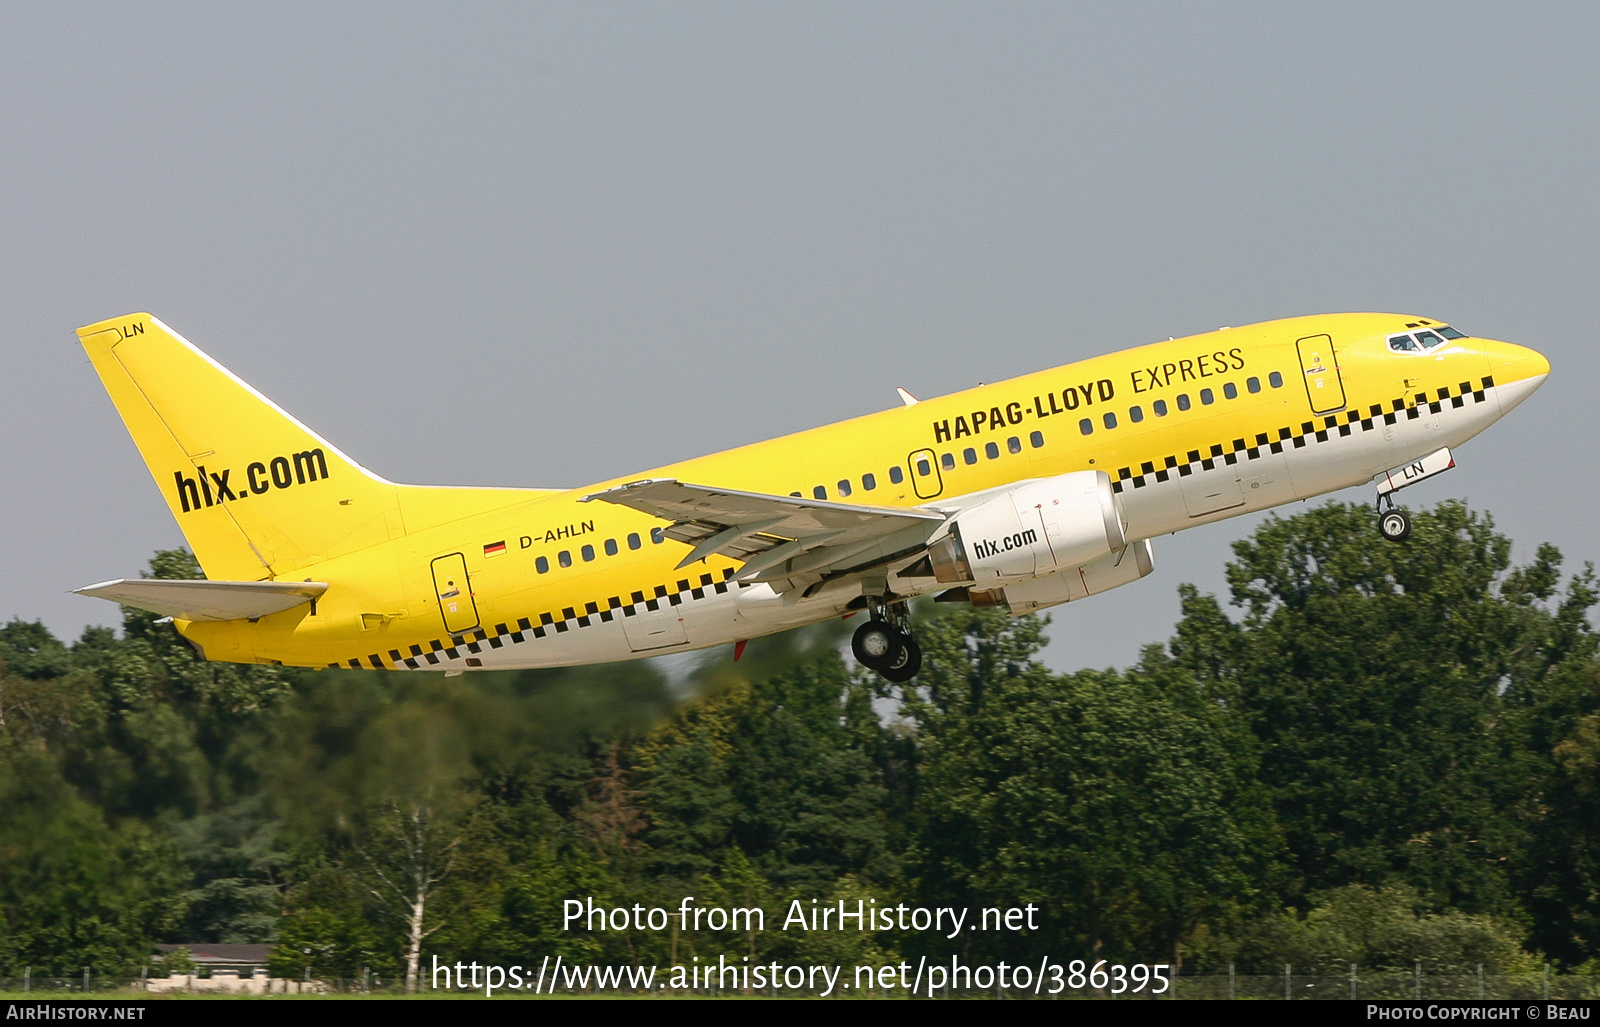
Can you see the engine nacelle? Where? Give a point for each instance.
(1130, 563)
(1032, 530)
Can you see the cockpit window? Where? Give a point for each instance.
(1419, 342)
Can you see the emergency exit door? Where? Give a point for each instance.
(925, 474)
(1320, 368)
(454, 589)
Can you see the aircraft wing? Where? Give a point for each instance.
(207, 600)
(784, 540)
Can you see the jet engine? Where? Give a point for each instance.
(1036, 529)
(1130, 563)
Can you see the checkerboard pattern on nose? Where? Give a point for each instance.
(1299, 436)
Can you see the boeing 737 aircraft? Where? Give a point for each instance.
(1025, 494)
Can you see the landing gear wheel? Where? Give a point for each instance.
(877, 645)
(910, 661)
(1394, 525)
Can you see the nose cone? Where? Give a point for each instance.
(1510, 364)
(1516, 363)
(1517, 371)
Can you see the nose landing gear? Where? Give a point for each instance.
(884, 643)
(1394, 524)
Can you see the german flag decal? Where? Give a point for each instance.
(494, 548)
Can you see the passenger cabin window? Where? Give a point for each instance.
(896, 477)
(1253, 384)
(1207, 397)
(948, 461)
(564, 558)
(1036, 439)
(611, 547)
(1086, 426)
(869, 482)
(844, 487)
(542, 565)
(1110, 419)
(1275, 380)
(655, 535)
(1183, 401)
(1160, 407)
(1230, 390)
(821, 492)
(1013, 445)
(633, 540)
(588, 554)
(970, 455)
(991, 450)
(924, 468)
(1136, 414)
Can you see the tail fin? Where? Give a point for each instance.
(256, 493)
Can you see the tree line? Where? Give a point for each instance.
(1373, 752)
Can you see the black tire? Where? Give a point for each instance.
(1394, 525)
(876, 644)
(910, 661)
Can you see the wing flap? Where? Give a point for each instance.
(770, 534)
(207, 600)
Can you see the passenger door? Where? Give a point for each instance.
(454, 589)
(1320, 366)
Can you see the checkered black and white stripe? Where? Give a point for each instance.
(461, 647)
(441, 651)
(1308, 432)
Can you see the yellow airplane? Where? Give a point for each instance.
(1024, 493)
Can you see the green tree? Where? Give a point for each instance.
(1124, 806)
(162, 729)
(75, 890)
(328, 930)
(384, 779)
(1376, 929)
(1377, 677)
(29, 650)
(812, 801)
(1561, 874)
(237, 861)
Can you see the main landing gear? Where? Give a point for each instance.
(884, 643)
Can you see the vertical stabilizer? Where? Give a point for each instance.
(257, 494)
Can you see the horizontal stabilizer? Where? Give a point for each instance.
(207, 600)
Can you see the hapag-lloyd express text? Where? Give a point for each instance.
(1087, 394)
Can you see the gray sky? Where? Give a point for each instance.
(546, 244)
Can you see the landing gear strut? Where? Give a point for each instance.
(884, 643)
(1394, 523)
